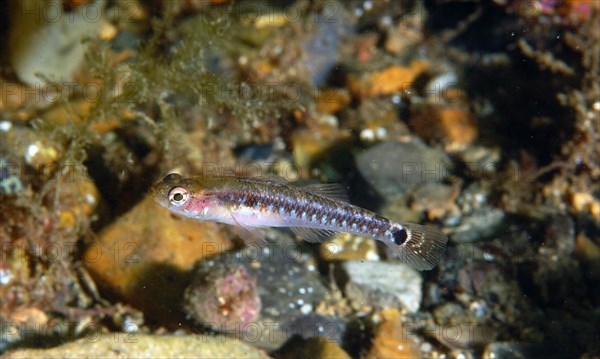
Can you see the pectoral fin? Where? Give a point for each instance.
(250, 235)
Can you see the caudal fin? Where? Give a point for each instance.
(423, 247)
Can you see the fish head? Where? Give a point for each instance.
(190, 197)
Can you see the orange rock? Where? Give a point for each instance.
(392, 339)
(453, 126)
(388, 81)
(146, 255)
(332, 100)
(346, 246)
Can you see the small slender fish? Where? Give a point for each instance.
(313, 212)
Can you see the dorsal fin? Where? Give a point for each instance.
(273, 179)
(330, 190)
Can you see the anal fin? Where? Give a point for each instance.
(312, 235)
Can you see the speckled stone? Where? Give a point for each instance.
(224, 298)
(393, 167)
(129, 345)
(383, 284)
(289, 288)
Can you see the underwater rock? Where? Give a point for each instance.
(482, 162)
(320, 50)
(46, 39)
(476, 227)
(315, 325)
(289, 290)
(392, 339)
(346, 246)
(454, 127)
(147, 250)
(477, 220)
(388, 81)
(458, 328)
(224, 298)
(393, 168)
(119, 345)
(396, 208)
(435, 199)
(382, 284)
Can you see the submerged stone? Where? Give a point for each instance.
(393, 168)
(392, 339)
(119, 345)
(383, 284)
(148, 250)
(224, 298)
(289, 290)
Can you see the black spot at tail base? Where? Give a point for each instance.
(399, 235)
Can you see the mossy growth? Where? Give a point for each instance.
(174, 101)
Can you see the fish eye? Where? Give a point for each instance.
(178, 196)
